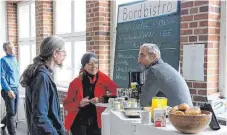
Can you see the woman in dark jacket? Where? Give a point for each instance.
(83, 117)
(42, 103)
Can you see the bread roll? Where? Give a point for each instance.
(179, 113)
(193, 112)
(174, 109)
(183, 107)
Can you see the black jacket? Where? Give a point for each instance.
(42, 105)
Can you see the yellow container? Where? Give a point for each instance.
(158, 102)
(133, 85)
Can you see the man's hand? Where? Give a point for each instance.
(84, 102)
(11, 94)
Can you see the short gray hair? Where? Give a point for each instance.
(152, 48)
(5, 45)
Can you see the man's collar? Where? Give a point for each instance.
(157, 61)
(9, 55)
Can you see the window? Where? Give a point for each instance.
(26, 34)
(2, 26)
(2, 29)
(70, 24)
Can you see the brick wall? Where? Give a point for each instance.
(12, 24)
(200, 24)
(98, 32)
(44, 21)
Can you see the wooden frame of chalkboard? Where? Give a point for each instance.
(163, 30)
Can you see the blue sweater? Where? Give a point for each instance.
(9, 73)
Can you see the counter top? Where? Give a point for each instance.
(116, 123)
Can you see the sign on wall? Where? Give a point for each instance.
(141, 22)
(193, 62)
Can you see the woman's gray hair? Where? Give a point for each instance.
(5, 44)
(48, 46)
(152, 49)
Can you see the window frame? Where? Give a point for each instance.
(25, 41)
(72, 37)
(223, 52)
(113, 26)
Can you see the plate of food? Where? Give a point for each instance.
(132, 113)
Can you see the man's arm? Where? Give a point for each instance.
(4, 83)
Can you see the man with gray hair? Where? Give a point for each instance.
(10, 83)
(161, 77)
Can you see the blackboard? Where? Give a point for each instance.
(162, 30)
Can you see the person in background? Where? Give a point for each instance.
(41, 97)
(84, 91)
(161, 77)
(10, 84)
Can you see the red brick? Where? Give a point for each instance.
(213, 84)
(192, 38)
(202, 2)
(193, 91)
(199, 98)
(186, 4)
(193, 10)
(202, 92)
(214, 2)
(203, 23)
(184, 25)
(212, 57)
(214, 31)
(193, 24)
(184, 11)
(203, 38)
(201, 31)
(189, 84)
(199, 85)
(213, 38)
(12, 24)
(100, 31)
(186, 18)
(204, 9)
(184, 39)
(212, 51)
(186, 32)
(201, 17)
(105, 4)
(212, 66)
(214, 16)
(213, 91)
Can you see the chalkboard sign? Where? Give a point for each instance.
(163, 30)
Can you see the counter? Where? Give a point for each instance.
(116, 123)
